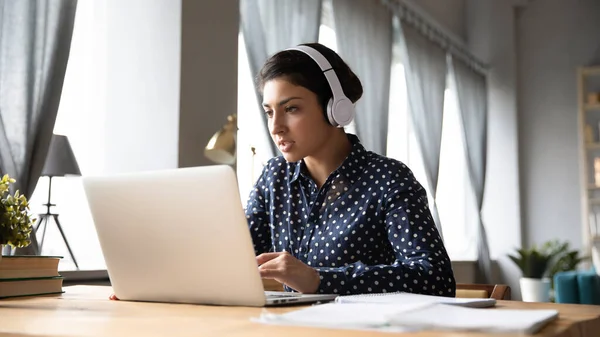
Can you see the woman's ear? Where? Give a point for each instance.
(324, 110)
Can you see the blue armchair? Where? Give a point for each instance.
(581, 287)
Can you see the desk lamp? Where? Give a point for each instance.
(60, 162)
(221, 148)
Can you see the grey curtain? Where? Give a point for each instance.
(425, 69)
(35, 40)
(471, 89)
(364, 38)
(272, 25)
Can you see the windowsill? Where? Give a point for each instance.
(463, 261)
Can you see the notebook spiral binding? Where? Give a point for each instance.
(358, 296)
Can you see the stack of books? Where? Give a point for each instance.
(24, 275)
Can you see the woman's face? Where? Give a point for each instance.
(295, 119)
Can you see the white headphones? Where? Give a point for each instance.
(340, 109)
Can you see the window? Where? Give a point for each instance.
(454, 200)
(453, 181)
(252, 132)
(80, 118)
(398, 122)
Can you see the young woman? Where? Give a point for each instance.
(329, 216)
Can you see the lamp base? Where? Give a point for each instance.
(45, 219)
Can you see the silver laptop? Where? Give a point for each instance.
(179, 236)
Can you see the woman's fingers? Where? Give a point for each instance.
(265, 257)
(270, 273)
(113, 297)
(288, 270)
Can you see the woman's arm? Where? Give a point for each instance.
(421, 262)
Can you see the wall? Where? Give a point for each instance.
(449, 14)
(143, 43)
(554, 37)
(209, 51)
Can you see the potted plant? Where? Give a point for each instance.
(15, 222)
(539, 265)
(565, 259)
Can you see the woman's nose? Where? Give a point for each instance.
(277, 123)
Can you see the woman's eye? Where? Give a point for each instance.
(269, 113)
(290, 109)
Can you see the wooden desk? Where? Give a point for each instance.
(86, 311)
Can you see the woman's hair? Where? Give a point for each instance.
(300, 69)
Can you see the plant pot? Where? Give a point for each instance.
(534, 289)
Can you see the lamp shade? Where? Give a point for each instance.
(60, 160)
(222, 146)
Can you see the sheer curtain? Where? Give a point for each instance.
(425, 73)
(364, 38)
(35, 39)
(272, 25)
(471, 89)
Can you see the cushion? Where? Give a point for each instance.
(580, 287)
(566, 289)
(589, 287)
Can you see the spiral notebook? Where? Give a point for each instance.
(409, 298)
(413, 317)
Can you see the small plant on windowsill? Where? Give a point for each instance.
(539, 265)
(15, 221)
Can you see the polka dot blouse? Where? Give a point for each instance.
(368, 229)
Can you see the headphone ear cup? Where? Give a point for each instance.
(330, 113)
(342, 112)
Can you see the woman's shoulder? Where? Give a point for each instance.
(392, 168)
(395, 177)
(395, 173)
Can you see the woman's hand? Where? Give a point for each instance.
(286, 269)
(113, 297)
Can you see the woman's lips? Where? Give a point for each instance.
(285, 146)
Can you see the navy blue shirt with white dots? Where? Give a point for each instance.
(368, 229)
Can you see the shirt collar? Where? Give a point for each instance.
(355, 161)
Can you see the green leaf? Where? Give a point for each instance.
(16, 224)
(551, 257)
